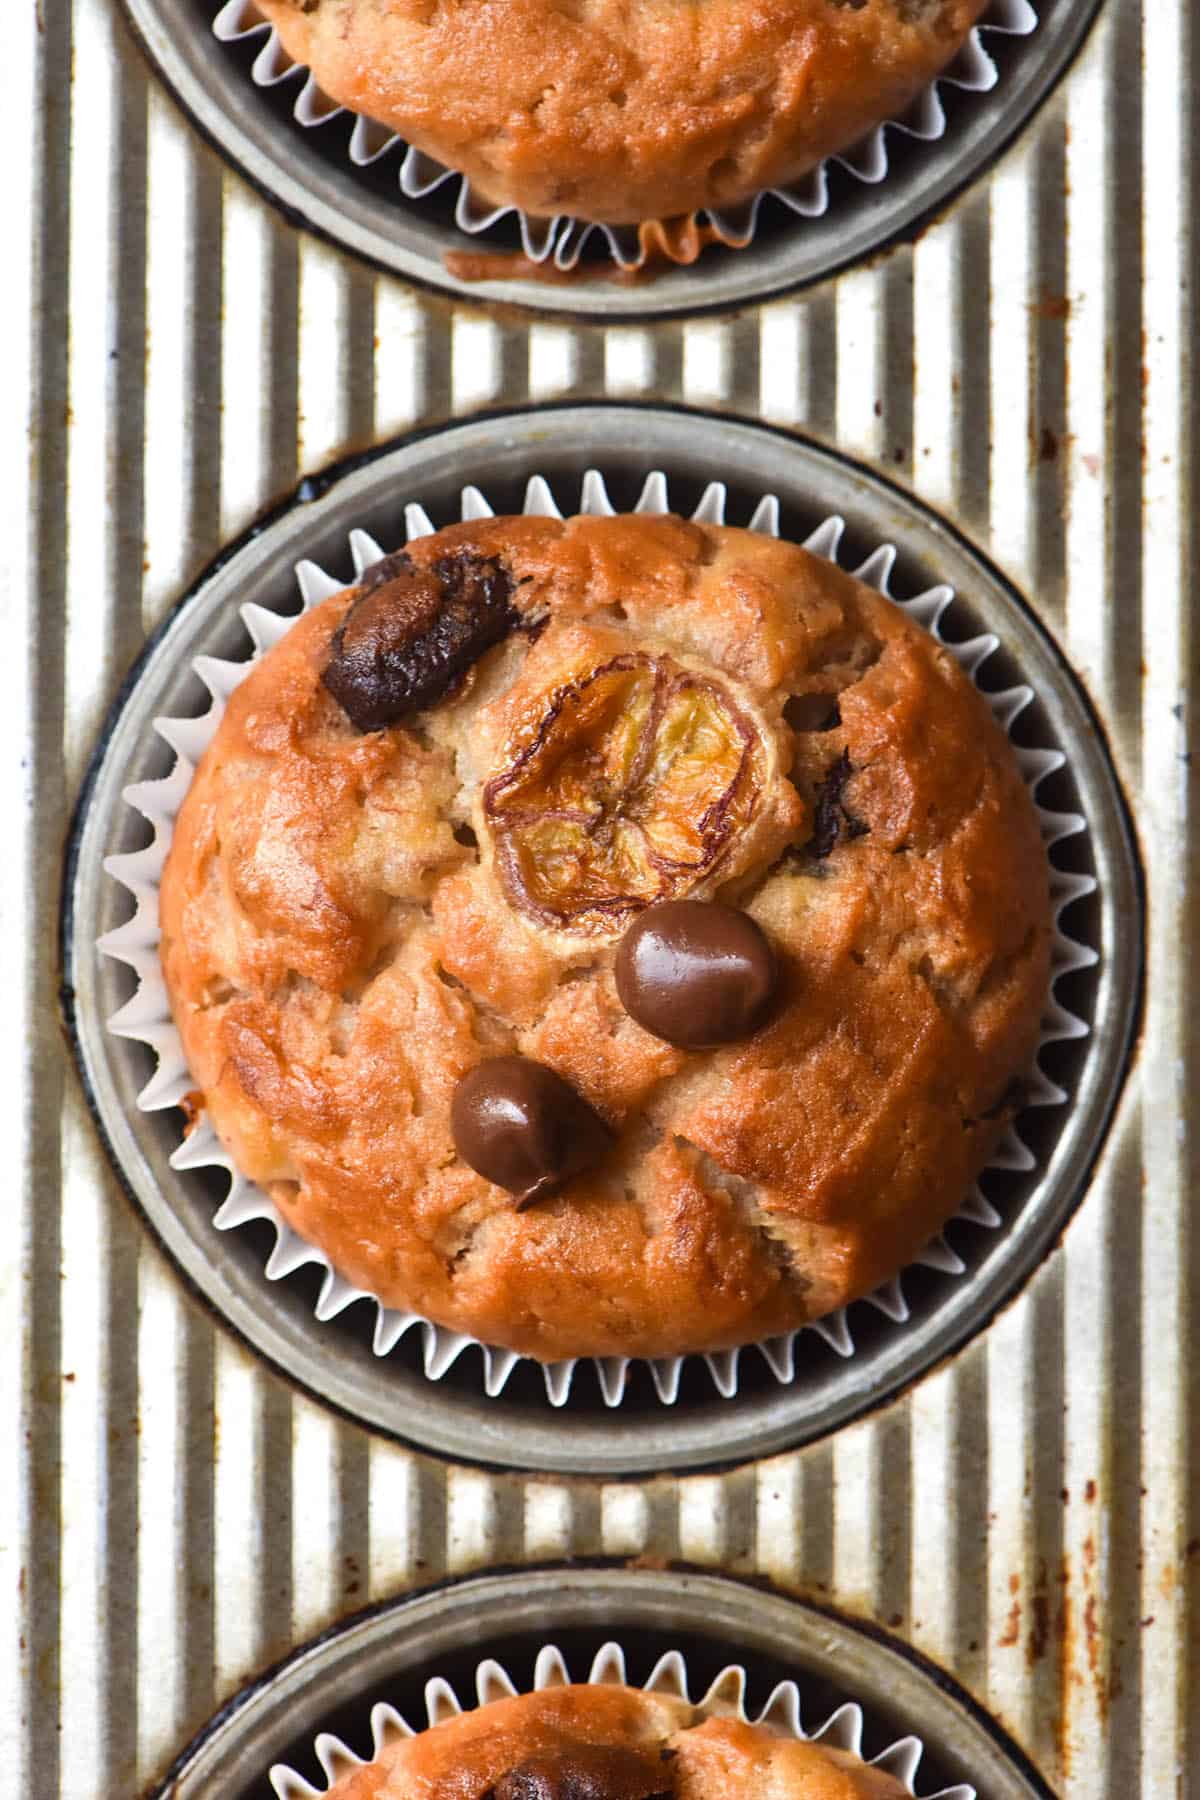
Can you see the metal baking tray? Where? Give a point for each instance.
(1026, 1514)
(308, 173)
(519, 1427)
(386, 1656)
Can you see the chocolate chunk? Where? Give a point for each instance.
(696, 973)
(522, 1126)
(583, 1772)
(831, 815)
(388, 568)
(412, 634)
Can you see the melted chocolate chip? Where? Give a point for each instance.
(696, 973)
(583, 1772)
(522, 1126)
(388, 568)
(412, 634)
(831, 815)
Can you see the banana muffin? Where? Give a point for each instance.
(611, 936)
(621, 112)
(608, 1743)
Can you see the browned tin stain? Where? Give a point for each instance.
(1081, 1631)
(514, 265)
(663, 243)
(1050, 306)
(1039, 1621)
(1091, 1632)
(1067, 1674)
(1012, 1625)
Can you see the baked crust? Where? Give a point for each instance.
(719, 1759)
(622, 112)
(341, 947)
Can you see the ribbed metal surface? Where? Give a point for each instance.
(1029, 1517)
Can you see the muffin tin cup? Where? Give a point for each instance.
(148, 1014)
(345, 178)
(748, 1653)
(725, 1697)
(669, 1423)
(560, 242)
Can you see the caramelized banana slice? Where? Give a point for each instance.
(631, 791)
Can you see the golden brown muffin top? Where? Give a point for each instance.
(624, 110)
(609, 1743)
(355, 919)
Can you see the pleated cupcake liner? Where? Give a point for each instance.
(560, 241)
(146, 1018)
(724, 1698)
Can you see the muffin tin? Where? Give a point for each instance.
(386, 1656)
(520, 1426)
(309, 173)
(1025, 1512)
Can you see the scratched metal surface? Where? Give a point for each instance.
(1028, 1517)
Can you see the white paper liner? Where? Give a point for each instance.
(146, 1018)
(562, 239)
(725, 1698)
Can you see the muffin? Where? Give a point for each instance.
(608, 1743)
(612, 936)
(619, 113)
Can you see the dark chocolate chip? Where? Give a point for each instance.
(831, 815)
(412, 634)
(583, 1772)
(696, 973)
(522, 1126)
(388, 568)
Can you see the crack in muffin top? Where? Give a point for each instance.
(578, 719)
